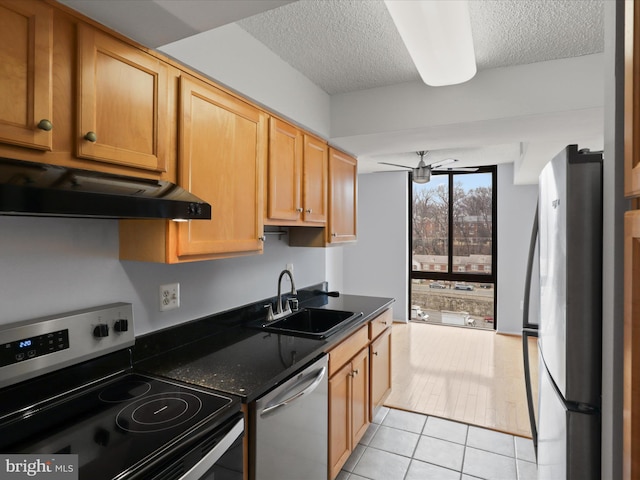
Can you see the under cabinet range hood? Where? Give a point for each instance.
(40, 189)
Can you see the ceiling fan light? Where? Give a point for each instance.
(437, 35)
(421, 175)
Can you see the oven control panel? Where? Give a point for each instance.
(34, 347)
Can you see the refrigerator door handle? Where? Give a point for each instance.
(529, 274)
(529, 330)
(526, 333)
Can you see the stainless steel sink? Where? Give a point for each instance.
(312, 322)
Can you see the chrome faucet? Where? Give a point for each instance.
(291, 301)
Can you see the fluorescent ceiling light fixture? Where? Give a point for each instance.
(437, 34)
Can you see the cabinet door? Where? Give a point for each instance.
(631, 397)
(123, 103)
(380, 369)
(359, 396)
(632, 100)
(26, 37)
(284, 171)
(222, 150)
(342, 197)
(339, 419)
(314, 180)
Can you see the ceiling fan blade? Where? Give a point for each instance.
(396, 165)
(455, 169)
(442, 163)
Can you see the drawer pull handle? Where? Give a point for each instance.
(45, 125)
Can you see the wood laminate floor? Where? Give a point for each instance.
(463, 374)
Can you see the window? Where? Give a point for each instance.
(453, 244)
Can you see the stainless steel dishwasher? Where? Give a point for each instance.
(291, 427)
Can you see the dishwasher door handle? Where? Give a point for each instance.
(297, 395)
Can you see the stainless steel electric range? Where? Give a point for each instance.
(67, 387)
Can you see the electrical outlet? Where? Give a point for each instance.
(169, 296)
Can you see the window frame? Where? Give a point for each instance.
(450, 274)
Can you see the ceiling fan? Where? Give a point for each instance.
(422, 173)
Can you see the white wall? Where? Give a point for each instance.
(52, 265)
(378, 264)
(516, 211)
(531, 89)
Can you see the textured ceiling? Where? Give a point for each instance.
(348, 45)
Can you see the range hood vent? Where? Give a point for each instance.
(40, 189)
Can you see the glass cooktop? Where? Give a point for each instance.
(117, 426)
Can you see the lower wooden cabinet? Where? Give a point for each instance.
(359, 382)
(348, 409)
(631, 396)
(380, 354)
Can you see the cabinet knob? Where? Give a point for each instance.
(299, 210)
(334, 234)
(261, 238)
(308, 210)
(375, 353)
(45, 125)
(355, 372)
(91, 137)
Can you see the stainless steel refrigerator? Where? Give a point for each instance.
(569, 330)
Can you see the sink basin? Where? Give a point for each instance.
(312, 322)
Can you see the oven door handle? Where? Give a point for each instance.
(210, 459)
(309, 389)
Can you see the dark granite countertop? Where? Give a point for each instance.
(225, 352)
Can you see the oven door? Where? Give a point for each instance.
(218, 456)
(225, 460)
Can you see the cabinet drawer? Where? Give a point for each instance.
(345, 351)
(380, 324)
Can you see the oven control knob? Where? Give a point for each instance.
(101, 330)
(121, 325)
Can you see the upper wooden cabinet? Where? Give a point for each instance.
(26, 36)
(296, 176)
(284, 171)
(342, 206)
(343, 196)
(223, 145)
(124, 113)
(221, 157)
(632, 100)
(315, 180)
